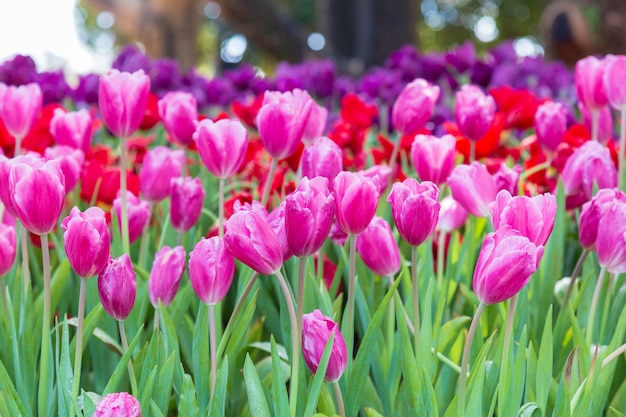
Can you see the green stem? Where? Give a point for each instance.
(155, 324)
(507, 344)
(527, 173)
(25, 263)
(595, 120)
(131, 369)
(394, 155)
(124, 216)
(465, 360)
(268, 182)
(213, 347)
(78, 357)
(45, 366)
(145, 236)
(3, 296)
(221, 209)
(572, 282)
(391, 318)
(295, 343)
(350, 307)
(622, 145)
(472, 155)
(17, 366)
(416, 298)
(441, 251)
(594, 304)
(320, 266)
(339, 397)
(18, 145)
(607, 305)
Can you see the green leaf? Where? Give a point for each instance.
(18, 366)
(164, 383)
(9, 394)
(318, 380)
(544, 365)
(89, 400)
(615, 413)
(237, 330)
(188, 405)
(279, 390)
(219, 397)
(256, 397)
(201, 362)
(89, 327)
(409, 364)
(120, 369)
(65, 374)
(148, 389)
(528, 409)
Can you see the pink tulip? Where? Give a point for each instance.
(276, 220)
(8, 247)
(592, 212)
(532, 217)
(72, 128)
(605, 122)
(309, 213)
(414, 106)
(473, 187)
(222, 146)
(590, 90)
(611, 238)
(179, 113)
(19, 107)
(507, 178)
(474, 111)
(316, 124)
(160, 165)
(37, 194)
(123, 98)
(167, 268)
(6, 164)
(211, 270)
(87, 241)
(452, 215)
(316, 331)
(138, 214)
(433, 157)
(187, 200)
(506, 261)
(117, 287)
(410, 201)
(322, 159)
(550, 124)
(379, 175)
(254, 206)
(356, 200)
(282, 121)
(251, 240)
(71, 162)
(613, 80)
(118, 404)
(379, 249)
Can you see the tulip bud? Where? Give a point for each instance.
(614, 74)
(187, 199)
(433, 158)
(167, 268)
(452, 215)
(211, 270)
(117, 287)
(122, 99)
(316, 331)
(356, 200)
(550, 124)
(72, 128)
(473, 187)
(19, 107)
(474, 111)
(70, 161)
(506, 261)
(8, 247)
(611, 238)
(222, 146)
(87, 241)
(322, 159)
(414, 106)
(179, 113)
(589, 74)
(6, 164)
(138, 214)
(379, 249)
(316, 123)
(159, 166)
(411, 200)
(591, 214)
(118, 404)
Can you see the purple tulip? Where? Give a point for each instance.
(160, 165)
(322, 159)
(411, 200)
(211, 269)
(356, 199)
(138, 214)
(316, 331)
(591, 213)
(414, 106)
(433, 157)
(167, 268)
(87, 241)
(379, 249)
(222, 146)
(117, 287)
(122, 99)
(474, 111)
(611, 238)
(179, 113)
(473, 187)
(187, 199)
(118, 404)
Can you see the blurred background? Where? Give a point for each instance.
(212, 35)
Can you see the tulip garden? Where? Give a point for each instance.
(445, 236)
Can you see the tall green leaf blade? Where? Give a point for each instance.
(256, 396)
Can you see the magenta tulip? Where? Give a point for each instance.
(138, 214)
(167, 269)
(356, 200)
(70, 161)
(118, 404)
(591, 213)
(187, 200)
(160, 165)
(322, 159)
(507, 178)
(613, 80)
(379, 175)
(87, 241)
(611, 238)
(411, 200)
(433, 157)
(276, 220)
(550, 124)
(72, 128)
(379, 249)
(6, 164)
(222, 146)
(211, 270)
(414, 106)
(117, 287)
(590, 90)
(605, 122)
(474, 111)
(316, 331)
(316, 124)
(19, 107)
(251, 240)
(452, 215)
(122, 99)
(8, 247)
(506, 261)
(473, 187)
(308, 216)
(179, 113)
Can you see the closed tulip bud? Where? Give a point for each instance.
(532, 217)
(167, 268)
(591, 214)
(8, 247)
(506, 261)
(322, 159)
(87, 241)
(433, 158)
(276, 220)
(211, 270)
(19, 107)
(605, 122)
(589, 74)
(159, 166)
(611, 238)
(222, 146)
(187, 199)
(316, 124)
(70, 161)
(6, 164)
(309, 213)
(282, 120)
(507, 178)
(411, 200)
(118, 404)
(356, 200)
(414, 106)
(550, 124)
(474, 111)
(179, 113)
(473, 187)
(316, 331)
(37, 194)
(122, 99)
(379, 249)
(452, 215)
(72, 128)
(613, 80)
(117, 287)
(138, 214)
(251, 240)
